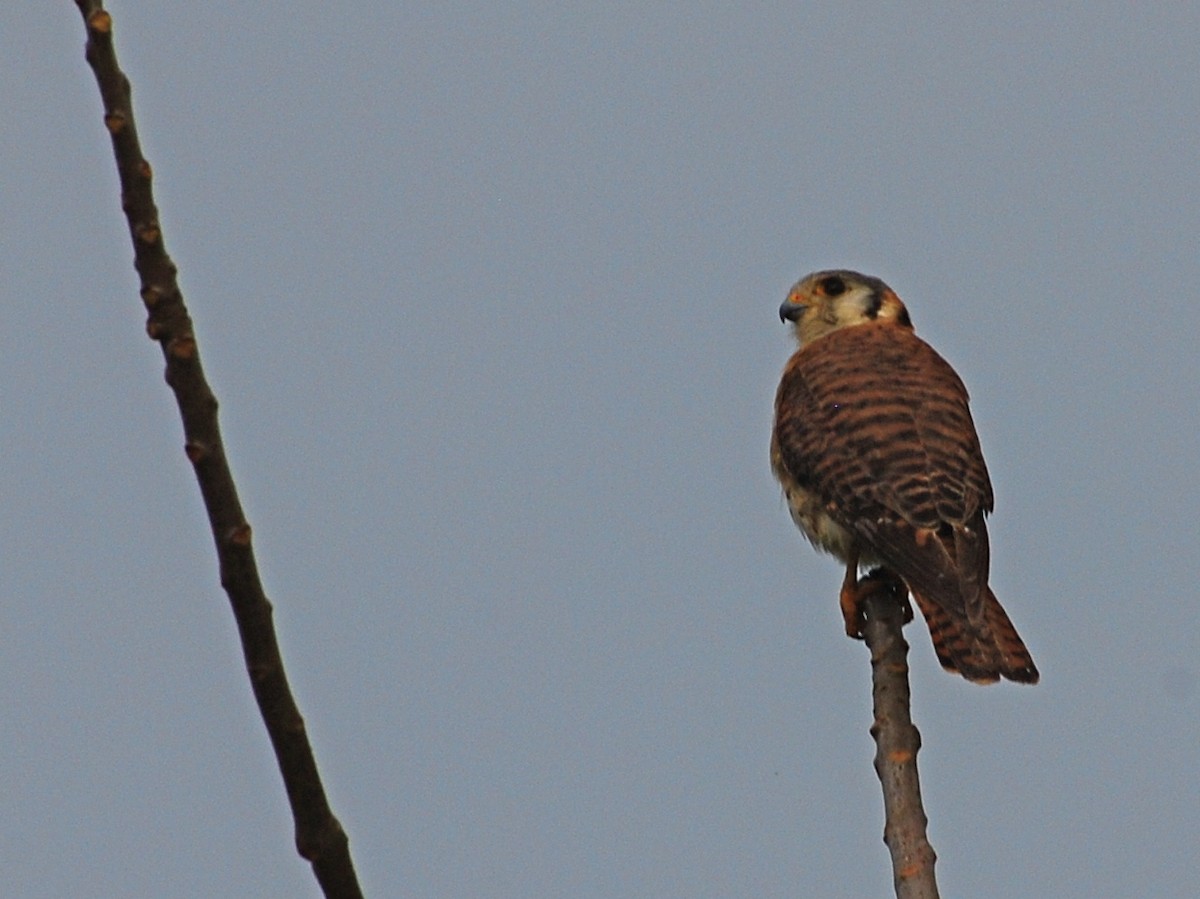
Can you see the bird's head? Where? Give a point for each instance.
(826, 301)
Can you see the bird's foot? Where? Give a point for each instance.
(851, 601)
(854, 596)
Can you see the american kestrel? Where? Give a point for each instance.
(880, 464)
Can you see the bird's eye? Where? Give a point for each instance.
(833, 286)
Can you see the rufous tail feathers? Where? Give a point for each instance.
(982, 653)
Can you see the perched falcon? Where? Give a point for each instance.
(880, 464)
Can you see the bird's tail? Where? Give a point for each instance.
(982, 652)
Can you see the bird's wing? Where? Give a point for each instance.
(876, 423)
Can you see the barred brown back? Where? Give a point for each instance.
(874, 424)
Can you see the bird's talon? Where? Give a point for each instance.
(852, 613)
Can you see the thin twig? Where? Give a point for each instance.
(319, 836)
(897, 741)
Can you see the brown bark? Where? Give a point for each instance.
(319, 836)
(897, 741)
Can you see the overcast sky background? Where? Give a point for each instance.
(488, 294)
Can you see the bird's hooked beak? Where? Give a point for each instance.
(790, 310)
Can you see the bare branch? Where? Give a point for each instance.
(897, 741)
(319, 836)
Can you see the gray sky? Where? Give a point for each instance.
(488, 294)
